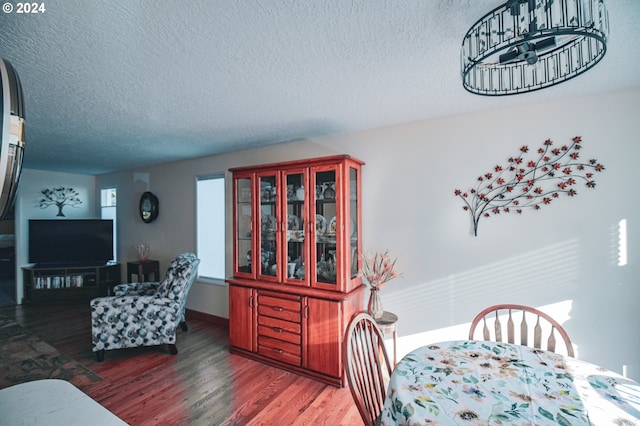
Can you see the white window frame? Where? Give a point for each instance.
(208, 249)
(109, 210)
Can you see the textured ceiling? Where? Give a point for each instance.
(112, 85)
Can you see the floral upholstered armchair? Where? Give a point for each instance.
(144, 314)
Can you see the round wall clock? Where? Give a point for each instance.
(148, 207)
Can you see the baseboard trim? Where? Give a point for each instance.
(208, 317)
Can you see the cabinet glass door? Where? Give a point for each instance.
(296, 214)
(354, 225)
(244, 226)
(327, 223)
(269, 228)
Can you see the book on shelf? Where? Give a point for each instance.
(58, 281)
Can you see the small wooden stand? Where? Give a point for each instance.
(388, 323)
(142, 270)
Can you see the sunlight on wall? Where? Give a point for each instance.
(536, 278)
(622, 242)
(559, 311)
(442, 309)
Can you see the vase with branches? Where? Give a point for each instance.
(530, 183)
(377, 269)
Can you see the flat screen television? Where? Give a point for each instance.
(70, 241)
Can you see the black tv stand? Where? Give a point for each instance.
(69, 283)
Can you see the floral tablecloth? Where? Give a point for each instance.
(489, 383)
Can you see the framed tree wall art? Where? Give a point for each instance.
(530, 180)
(59, 197)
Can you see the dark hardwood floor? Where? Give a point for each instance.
(7, 290)
(203, 385)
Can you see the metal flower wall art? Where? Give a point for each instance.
(59, 197)
(530, 182)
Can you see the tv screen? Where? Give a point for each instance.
(70, 241)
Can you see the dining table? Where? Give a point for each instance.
(469, 382)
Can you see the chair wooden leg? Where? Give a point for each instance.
(183, 326)
(173, 349)
(100, 356)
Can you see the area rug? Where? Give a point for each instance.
(25, 357)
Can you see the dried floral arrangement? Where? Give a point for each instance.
(530, 183)
(378, 269)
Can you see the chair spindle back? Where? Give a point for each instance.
(528, 313)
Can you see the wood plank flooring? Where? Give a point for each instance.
(203, 385)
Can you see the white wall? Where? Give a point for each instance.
(563, 255)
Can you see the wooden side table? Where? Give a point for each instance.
(388, 323)
(142, 270)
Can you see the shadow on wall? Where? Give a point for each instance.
(596, 311)
(536, 278)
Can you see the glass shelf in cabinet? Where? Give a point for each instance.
(330, 241)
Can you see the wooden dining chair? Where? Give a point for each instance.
(541, 322)
(367, 367)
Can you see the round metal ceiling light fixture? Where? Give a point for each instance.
(12, 140)
(527, 45)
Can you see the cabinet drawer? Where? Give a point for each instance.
(277, 349)
(288, 310)
(291, 327)
(280, 334)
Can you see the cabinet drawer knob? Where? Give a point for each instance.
(278, 329)
(280, 351)
(278, 308)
